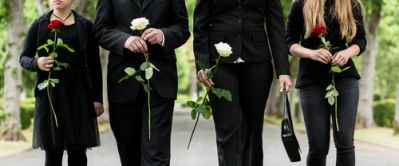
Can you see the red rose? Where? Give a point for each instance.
(318, 30)
(55, 24)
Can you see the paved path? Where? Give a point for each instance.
(203, 149)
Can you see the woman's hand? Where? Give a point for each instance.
(285, 82)
(99, 108)
(321, 55)
(202, 77)
(45, 63)
(340, 58)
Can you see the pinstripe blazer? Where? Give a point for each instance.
(241, 23)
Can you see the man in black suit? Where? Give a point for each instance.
(248, 26)
(168, 29)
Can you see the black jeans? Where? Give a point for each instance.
(76, 157)
(318, 115)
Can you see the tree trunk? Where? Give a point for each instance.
(396, 121)
(42, 6)
(365, 106)
(16, 29)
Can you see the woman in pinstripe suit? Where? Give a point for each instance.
(246, 25)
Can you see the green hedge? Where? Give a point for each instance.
(27, 112)
(384, 112)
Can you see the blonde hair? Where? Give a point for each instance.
(313, 13)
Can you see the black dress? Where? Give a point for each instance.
(80, 85)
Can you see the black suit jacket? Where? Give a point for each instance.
(241, 23)
(112, 26)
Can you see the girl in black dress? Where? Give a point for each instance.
(345, 31)
(77, 98)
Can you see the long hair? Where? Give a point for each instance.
(313, 13)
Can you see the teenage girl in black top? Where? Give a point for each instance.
(345, 31)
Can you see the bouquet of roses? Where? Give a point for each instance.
(147, 67)
(202, 106)
(55, 26)
(332, 92)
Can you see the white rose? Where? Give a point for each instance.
(139, 24)
(223, 49)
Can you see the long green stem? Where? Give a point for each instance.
(335, 104)
(197, 119)
(50, 100)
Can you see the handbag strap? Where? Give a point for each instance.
(286, 108)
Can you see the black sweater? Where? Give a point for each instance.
(314, 72)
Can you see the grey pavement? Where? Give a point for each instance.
(203, 149)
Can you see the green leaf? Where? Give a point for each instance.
(50, 42)
(62, 45)
(331, 100)
(328, 94)
(139, 78)
(199, 109)
(329, 87)
(346, 68)
(44, 46)
(154, 67)
(52, 84)
(144, 66)
(336, 69)
(206, 113)
(55, 81)
(124, 78)
(199, 99)
(61, 64)
(227, 95)
(130, 71)
(334, 93)
(193, 114)
(54, 55)
(42, 85)
(147, 88)
(149, 73)
(201, 65)
(192, 104)
(57, 68)
(222, 93)
(59, 41)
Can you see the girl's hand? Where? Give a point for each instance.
(340, 58)
(99, 108)
(45, 63)
(321, 55)
(202, 77)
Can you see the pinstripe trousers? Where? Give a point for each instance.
(239, 123)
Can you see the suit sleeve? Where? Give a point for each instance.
(94, 67)
(106, 34)
(201, 32)
(360, 38)
(276, 35)
(27, 58)
(177, 33)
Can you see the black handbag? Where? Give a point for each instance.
(287, 132)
